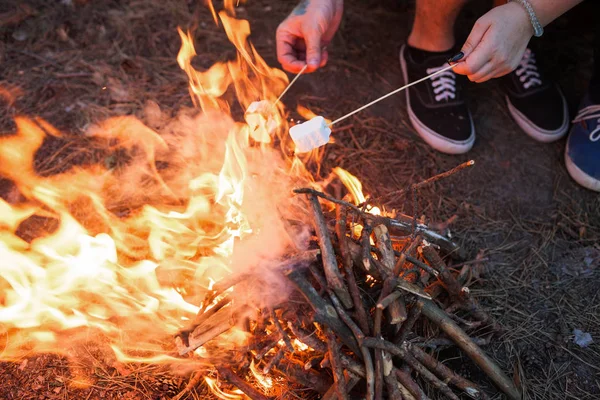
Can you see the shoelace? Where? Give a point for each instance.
(590, 112)
(444, 84)
(527, 71)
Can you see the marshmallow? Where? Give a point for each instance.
(310, 134)
(261, 118)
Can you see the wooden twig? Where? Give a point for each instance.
(405, 253)
(446, 374)
(221, 321)
(313, 341)
(396, 309)
(452, 285)
(402, 223)
(268, 347)
(274, 361)
(431, 180)
(402, 352)
(369, 371)
(455, 289)
(314, 271)
(438, 317)
(365, 242)
(386, 301)
(391, 383)
(413, 314)
(434, 343)
(282, 332)
(378, 374)
(295, 372)
(413, 388)
(324, 312)
(421, 265)
(336, 365)
(309, 339)
(351, 381)
(238, 382)
(313, 362)
(361, 314)
(330, 266)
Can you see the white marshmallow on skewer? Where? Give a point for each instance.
(310, 134)
(261, 118)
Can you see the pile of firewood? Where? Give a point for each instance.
(367, 305)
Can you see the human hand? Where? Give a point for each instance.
(303, 35)
(496, 43)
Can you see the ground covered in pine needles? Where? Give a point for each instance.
(535, 235)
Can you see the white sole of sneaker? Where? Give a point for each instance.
(435, 140)
(579, 176)
(539, 134)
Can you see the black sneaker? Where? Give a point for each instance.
(436, 107)
(537, 105)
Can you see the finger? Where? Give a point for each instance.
(497, 72)
(483, 73)
(313, 50)
(475, 56)
(286, 53)
(475, 37)
(324, 58)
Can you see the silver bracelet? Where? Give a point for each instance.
(538, 29)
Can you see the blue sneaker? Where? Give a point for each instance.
(582, 155)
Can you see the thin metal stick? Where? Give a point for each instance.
(290, 84)
(392, 93)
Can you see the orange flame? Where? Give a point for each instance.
(122, 255)
(222, 394)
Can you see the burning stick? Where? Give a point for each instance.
(330, 266)
(324, 312)
(402, 223)
(274, 361)
(283, 333)
(391, 278)
(340, 228)
(220, 322)
(309, 379)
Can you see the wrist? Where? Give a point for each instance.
(522, 15)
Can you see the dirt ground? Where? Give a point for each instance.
(75, 61)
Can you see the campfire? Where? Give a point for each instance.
(213, 250)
